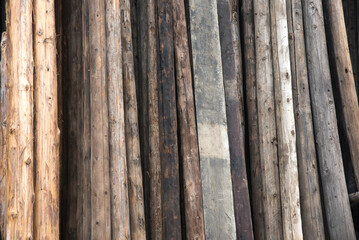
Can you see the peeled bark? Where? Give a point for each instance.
(187, 124)
(310, 200)
(19, 134)
(335, 195)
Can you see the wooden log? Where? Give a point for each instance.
(267, 122)
(235, 123)
(19, 137)
(211, 121)
(187, 125)
(3, 80)
(135, 186)
(335, 196)
(287, 152)
(154, 161)
(171, 214)
(252, 117)
(310, 200)
(99, 123)
(120, 215)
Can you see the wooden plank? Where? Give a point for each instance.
(187, 127)
(336, 201)
(267, 122)
(135, 188)
(310, 200)
(120, 215)
(211, 121)
(252, 117)
(19, 136)
(235, 123)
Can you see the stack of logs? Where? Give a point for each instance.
(179, 119)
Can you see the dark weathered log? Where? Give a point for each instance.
(287, 152)
(20, 126)
(267, 122)
(211, 121)
(336, 201)
(171, 215)
(235, 123)
(252, 117)
(187, 124)
(310, 202)
(135, 189)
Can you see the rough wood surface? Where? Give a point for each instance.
(19, 134)
(235, 123)
(286, 135)
(249, 62)
(211, 121)
(267, 122)
(335, 196)
(187, 124)
(135, 186)
(310, 200)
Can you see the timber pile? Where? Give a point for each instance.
(179, 119)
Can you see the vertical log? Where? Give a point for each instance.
(310, 202)
(120, 216)
(252, 117)
(19, 136)
(287, 152)
(137, 214)
(336, 201)
(211, 121)
(234, 113)
(187, 124)
(154, 161)
(99, 159)
(267, 122)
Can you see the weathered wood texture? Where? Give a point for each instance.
(171, 215)
(249, 62)
(19, 135)
(135, 185)
(335, 196)
(267, 122)
(310, 200)
(287, 152)
(234, 113)
(187, 125)
(120, 216)
(211, 121)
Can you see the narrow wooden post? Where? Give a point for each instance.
(211, 121)
(20, 126)
(267, 122)
(187, 124)
(336, 201)
(311, 209)
(252, 117)
(235, 123)
(135, 189)
(47, 133)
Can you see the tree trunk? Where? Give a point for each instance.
(338, 215)
(20, 126)
(267, 122)
(311, 210)
(211, 121)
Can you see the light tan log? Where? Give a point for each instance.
(20, 159)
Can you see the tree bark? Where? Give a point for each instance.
(267, 122)
(19, 136)
(310, 201)
(211, 121)
(336, 201)
(137, 214)
(187, 124)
